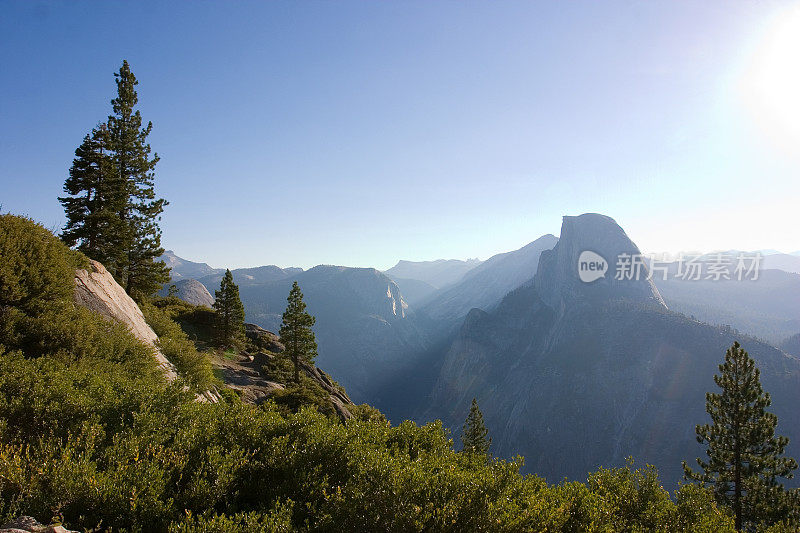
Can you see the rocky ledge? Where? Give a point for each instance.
(28, 524)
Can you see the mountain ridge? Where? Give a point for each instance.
(584, 374)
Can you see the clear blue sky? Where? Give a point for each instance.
(360, 133)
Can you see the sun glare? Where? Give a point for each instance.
(772, 81)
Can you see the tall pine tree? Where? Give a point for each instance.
(112, 211)
(93, 202)
(745, 458)
(295, 333)
(142, 275)
(474, 435)
(230, 313)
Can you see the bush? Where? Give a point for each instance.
(366, 413)
(305, 394)
(196, 321)
(279, 369)
(36, 269)
(193, 365)
(276, 521)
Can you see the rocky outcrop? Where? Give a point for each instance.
(364, 326)
(265, 340)
(337, 395)
(97, 290)
(28, 524)
(244, 374)
(190, 291)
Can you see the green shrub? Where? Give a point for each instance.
(305, 394)
(366, 413)
(196, 321)
(276, 521)
(193, 365)
(36, 269)
(279, 369)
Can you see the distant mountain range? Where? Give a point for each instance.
(571, 374)
(183, 268)
(785, 262)
(767, 308)
(437, 274)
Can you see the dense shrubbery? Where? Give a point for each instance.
(176, 346)
(92, 435)
(196, 321)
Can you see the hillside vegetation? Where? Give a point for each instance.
(91, 435)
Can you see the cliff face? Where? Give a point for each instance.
(574, 375)
(97, 290)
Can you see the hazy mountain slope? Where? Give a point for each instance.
(785, 262)
(792, 345)
(487, 283)
(414, 291)
(439, 273)
(574, 375)
(768, 307)
(183, 268)
(769, 259)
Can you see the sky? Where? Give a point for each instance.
(361, 133)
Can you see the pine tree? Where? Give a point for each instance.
(142, 274)
(474, 435)
(295, 332)
(745, 458)
(94, 200)
(230, 313)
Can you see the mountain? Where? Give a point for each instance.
(769, 259)
(191, 291)
(439, 273)
(785, 262)
(486, 284)
(767, 307)
(250, 276)
(575, 373)
(183, 268)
